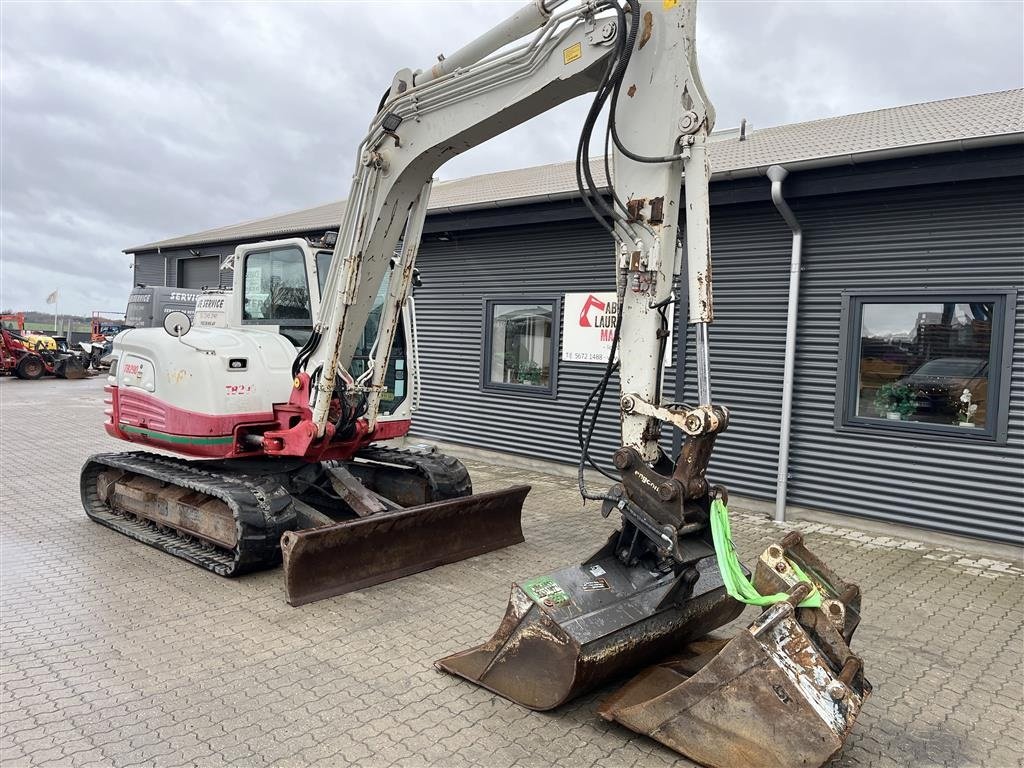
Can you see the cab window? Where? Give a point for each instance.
(323, 263)
(275, 288)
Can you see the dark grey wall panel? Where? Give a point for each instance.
(541, 259)
(750, 247)
(202, 272)
(149, 269)
(965, 235)
(968, 235)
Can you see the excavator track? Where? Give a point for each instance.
(445, 476)
(260, 508)
(260, 505)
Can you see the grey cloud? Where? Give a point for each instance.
(124, 123)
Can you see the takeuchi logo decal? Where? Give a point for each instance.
(599, 314)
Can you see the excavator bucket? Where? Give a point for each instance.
(840, 599)
(784, 692)
(69, 367)
(569, 631)
(336, 558)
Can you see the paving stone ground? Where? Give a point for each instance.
(114, 654)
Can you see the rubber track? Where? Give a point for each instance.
(447, 476)
(261, 508)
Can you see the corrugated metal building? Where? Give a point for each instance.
(909, 295)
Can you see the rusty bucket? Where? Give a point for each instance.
(784, 692)
(569, 631)
(341, 557)
(840, 603)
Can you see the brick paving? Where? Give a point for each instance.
(116, 654)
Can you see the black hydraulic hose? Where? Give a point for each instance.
(584, 179)
(612, 76)
(302, 358)
(584, 444)
(609, 369)
(585, 182)
(633, 31)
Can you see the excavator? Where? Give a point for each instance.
(283, 411)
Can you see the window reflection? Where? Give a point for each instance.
(521, 344)
(275, 286)
(925, 362)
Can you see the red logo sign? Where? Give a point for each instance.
(593, 304)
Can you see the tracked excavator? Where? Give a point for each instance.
(346, 510)
(287, 406)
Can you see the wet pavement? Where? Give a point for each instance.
(112, 653)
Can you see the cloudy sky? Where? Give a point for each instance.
(124, 123)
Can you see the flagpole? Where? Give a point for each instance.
(56, 309)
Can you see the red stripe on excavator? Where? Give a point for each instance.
(139, 417)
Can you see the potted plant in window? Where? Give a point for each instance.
(895, 401)
(965, 409)
(529, 373)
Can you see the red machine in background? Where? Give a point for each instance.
(20, 358)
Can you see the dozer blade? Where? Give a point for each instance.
(770, 698)
(342, 557)
(568, 632)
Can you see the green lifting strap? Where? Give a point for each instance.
(736, 582)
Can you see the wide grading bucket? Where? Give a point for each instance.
(341, 557)
(572, 630)
(784, 692)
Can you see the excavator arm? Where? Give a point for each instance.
(543, 55)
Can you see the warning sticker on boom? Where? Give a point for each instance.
(573, 52)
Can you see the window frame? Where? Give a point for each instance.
(550, 391)
(281, 323)
(1000, 360)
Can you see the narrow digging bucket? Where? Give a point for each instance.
(770, 698)
(840, 599)
(784, 692)
(572, 630)
(342, 557)
(69, 368)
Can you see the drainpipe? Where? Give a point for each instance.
(161, 253)
(777, 174)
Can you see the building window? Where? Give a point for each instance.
(520, 344)
(275, 288)
(929, 362)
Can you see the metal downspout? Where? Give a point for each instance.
(777, 174)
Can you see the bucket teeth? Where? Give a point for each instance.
(784, 692)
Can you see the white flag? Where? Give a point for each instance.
(52, 298)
